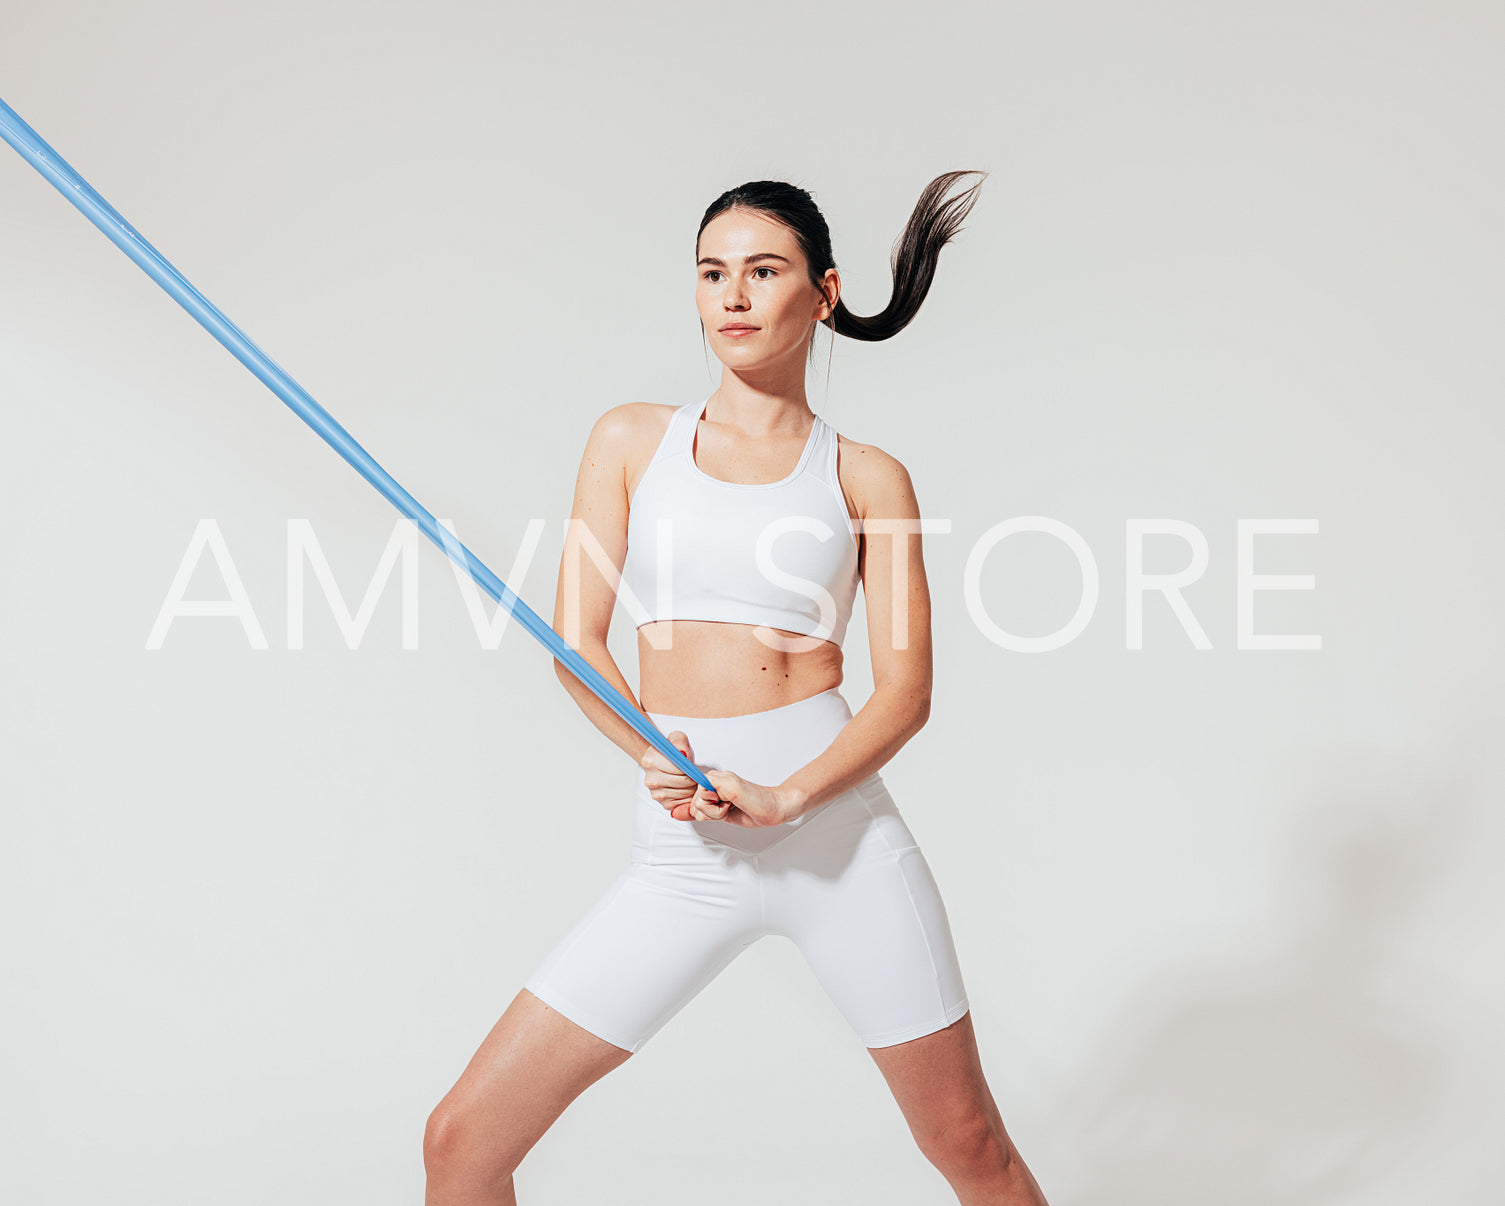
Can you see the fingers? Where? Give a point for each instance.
(701, 808)
(654, 760)
(701, 812)
(695, 803)
(666, 783)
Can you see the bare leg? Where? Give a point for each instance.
(939, 1085)
(531, 1066)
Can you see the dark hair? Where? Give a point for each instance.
(912, 260)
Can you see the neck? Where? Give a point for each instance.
(757, 409)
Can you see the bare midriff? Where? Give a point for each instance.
(715, 669)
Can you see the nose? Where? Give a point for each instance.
(735, 297)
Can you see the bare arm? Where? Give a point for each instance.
(585, 595)
(898, 618)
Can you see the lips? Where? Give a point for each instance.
(737, 329)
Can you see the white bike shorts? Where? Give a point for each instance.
(845, 882)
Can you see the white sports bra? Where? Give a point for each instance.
(781, 554)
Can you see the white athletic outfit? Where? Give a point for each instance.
(845, 881)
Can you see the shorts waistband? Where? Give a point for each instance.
(830, 701)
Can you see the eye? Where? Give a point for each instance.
(710, 273)
(763, 268)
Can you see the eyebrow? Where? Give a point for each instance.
(747, 259)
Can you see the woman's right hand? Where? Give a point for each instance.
(674, 789)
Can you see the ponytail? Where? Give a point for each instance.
(932, 225)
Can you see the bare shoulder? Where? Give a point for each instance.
(875, 480)
(627, 435)
(629, 423)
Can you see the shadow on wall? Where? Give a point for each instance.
(1300, 1076)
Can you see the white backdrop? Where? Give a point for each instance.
(1229, 917)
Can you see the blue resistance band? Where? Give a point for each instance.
(123, 235)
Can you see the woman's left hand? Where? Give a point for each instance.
(738, 801)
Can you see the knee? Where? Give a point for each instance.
(968, 1145)
(441, 1139)
(453, 1149)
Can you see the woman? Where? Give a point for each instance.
(737, 520)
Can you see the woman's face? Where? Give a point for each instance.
(752, 273)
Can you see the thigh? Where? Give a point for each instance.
(654, 938)
(855, 894)
(530, 1067)
(937, 1081)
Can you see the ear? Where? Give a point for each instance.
(830, 287)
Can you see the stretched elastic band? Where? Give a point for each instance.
(120, 232)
